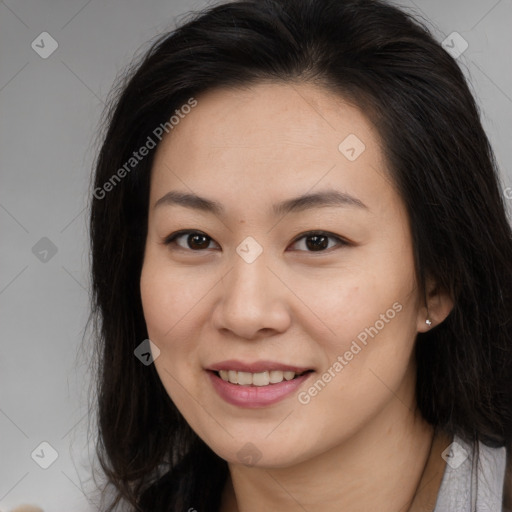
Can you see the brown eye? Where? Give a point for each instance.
(318, 241)
(197, 241)
(194, 240)
(315, 241)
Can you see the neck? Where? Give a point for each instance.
(390, 465)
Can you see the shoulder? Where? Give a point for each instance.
(507, 497)
(474, 473)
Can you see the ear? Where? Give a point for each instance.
(439, 305)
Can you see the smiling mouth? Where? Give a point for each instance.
(260, 379)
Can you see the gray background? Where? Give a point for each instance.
(50, 112)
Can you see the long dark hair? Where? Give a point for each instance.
(389, 65)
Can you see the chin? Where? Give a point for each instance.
(260, 453)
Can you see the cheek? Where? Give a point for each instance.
(168, 302)
(353, 301)
(158, 303)
(365, 364)
(168, 298)
(371, 316)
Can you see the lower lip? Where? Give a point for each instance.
(255, 396)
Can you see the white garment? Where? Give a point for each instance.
(472, 482)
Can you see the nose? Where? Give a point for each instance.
(253, 301)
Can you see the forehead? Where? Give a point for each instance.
(270, 115)
(267, 138)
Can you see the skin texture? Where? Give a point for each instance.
(358, 444)
(27, 508)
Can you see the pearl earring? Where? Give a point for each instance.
(428, 322)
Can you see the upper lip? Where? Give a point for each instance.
(256, 366)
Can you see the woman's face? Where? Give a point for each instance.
(248, 290)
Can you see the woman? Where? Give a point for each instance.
(296, 202)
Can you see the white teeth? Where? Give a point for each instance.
(275, 376)
(256, 379)
(245, 378)
(260, 379)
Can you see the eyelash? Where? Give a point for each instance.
(171, 239)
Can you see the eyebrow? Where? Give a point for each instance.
(296, 204)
